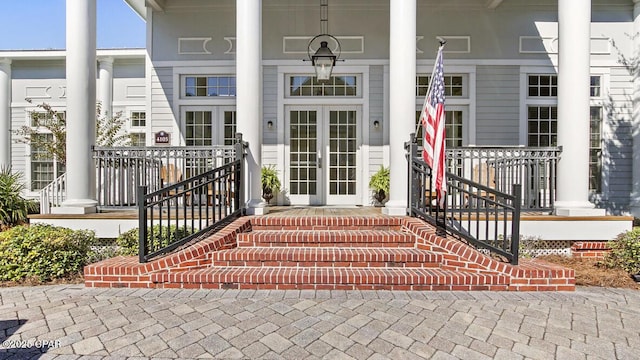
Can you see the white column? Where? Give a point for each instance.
(81, 106)
(105, 94)
(635, 123)
(5, 112)
(574, 52)
(402, 98)
(249, 95)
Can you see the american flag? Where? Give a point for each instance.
(432, 118)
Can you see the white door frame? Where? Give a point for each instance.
(217, 121)
(322, 196)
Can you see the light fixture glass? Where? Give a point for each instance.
(323, 61)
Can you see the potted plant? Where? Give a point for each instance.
(379, 183)
(270, 182)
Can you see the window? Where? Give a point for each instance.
(453, 128)
(542, 122)
(44, 166)
(138, 139)
(543, 85)
(198, 128)
(453, 85)
(210, 86)
(594, 88)
(138, 119)
(229, 127)
(342, 86)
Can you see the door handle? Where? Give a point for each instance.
(319, 160)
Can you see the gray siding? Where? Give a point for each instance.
(270, 113)
(18, 150)
(162, 111)
(498, 103)
(376, 112)
(617, 144)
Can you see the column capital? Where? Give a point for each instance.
(5, 61)
(105, 62)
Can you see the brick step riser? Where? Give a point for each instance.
(363, 287)
(324, 228)
(250, 244)
(294, 277)
(312, 264)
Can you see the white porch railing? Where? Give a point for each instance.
(53, 194)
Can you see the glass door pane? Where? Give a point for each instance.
(342, 151)
(303, 157)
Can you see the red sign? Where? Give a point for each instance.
(162, 137)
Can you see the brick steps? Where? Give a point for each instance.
(329, 278)
(327, 257)
(330, 252)
(326, 238)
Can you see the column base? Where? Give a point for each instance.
(257, 207)
(76, 206)
(577, 208)
(395, 208)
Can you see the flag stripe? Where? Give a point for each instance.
(433, 128)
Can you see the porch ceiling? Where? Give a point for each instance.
(139, 6)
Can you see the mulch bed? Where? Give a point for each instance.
(590, 272)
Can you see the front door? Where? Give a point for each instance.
(323, 155)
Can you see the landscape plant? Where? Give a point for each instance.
(625, 252)
(14, 208)
(48, 132)
(43, 252)
(157, 237)
(270, 182)
(379, 183)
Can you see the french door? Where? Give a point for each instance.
(206, 126)
(323, 154)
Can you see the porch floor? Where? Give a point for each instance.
(110, 223)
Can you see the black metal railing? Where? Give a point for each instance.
(477, 214)
(182, 212)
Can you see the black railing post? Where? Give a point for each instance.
(142, 223)
(239, 153)
(411, 147)
(515, 223)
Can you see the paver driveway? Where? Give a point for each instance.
(71, 322)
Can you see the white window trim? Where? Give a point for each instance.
(28, 167)
(217, 121)
(180, 101)
(359, 87)
(525, 101)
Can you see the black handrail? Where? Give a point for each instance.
(179, 213)
(477, 214)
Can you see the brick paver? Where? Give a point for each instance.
(73, 322)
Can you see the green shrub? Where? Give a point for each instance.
(43, 251)
(158, 237)
(625, 252)
(13, 207)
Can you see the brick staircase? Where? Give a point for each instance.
(325, 252)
